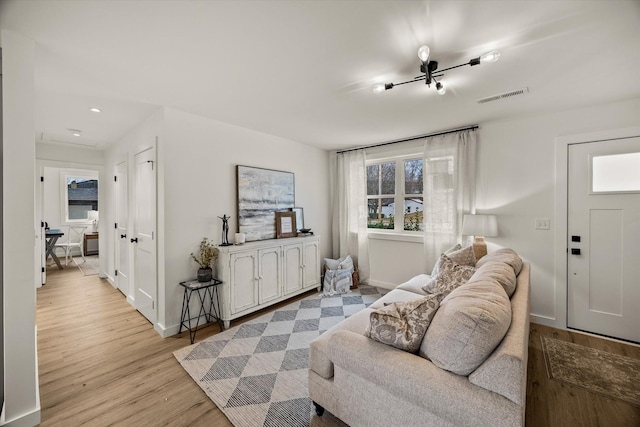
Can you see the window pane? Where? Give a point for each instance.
(381, 213)
(413, 213)
(618, 172)
(413, 176)
(373, 180)
(381, 179)
(82, 196)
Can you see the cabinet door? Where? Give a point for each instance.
(270, 274)
(292, 268)
(311, 263)
(244, 283)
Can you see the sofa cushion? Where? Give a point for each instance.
(450, 275)
(499, 271)
(415, 284)
(471, 322)
(403, 324)
(505, 255)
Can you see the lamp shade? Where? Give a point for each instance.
(479, 225)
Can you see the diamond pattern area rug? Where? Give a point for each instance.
(256, 372)
(597, 371)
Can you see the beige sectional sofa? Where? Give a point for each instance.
(366, 383)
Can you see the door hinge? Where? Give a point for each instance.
(42, 179)
(43, 269)
(41, 224)
(115, 178)
(153, 305)
(115, 225)
(116, 272)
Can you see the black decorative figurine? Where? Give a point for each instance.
(225, 230)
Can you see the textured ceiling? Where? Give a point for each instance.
(304, 70)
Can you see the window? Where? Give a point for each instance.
(394, 190)
(81, 196)
(615, 173)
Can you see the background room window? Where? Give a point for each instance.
(81, 196)
(394, 190)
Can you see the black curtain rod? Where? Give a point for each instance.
(408, 139)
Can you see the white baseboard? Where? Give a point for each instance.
(544, 320)
(381, 284)
(30, 419)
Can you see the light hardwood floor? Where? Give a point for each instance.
(101, 363)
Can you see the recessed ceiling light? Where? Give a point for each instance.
(95, 110)
(75, 132)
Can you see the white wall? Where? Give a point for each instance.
(199, 160)
(67, 154)
(22, 404)
(197, 184)
(516, 182)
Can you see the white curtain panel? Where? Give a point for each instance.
(350, 210)
(449, 189)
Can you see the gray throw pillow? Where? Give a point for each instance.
(403, 324)
(468, 326)
(450, 276)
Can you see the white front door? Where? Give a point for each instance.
(603, 241)
(122, 237)
(144, 238)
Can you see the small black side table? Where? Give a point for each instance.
(211, 312)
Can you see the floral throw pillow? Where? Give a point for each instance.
(436, 267)
(403, 324)
(450, 276)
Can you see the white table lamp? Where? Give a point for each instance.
(93, 217)
(479, 226)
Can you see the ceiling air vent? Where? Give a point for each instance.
(503, 95)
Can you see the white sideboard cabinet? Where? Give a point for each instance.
(258, 274)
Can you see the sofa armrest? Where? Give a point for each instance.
(417, 380)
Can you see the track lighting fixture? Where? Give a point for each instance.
(430, 72)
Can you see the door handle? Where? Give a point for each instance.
(134, 240)
(575, 251)
(123, 236)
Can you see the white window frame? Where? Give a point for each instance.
(398, 233)
(64, 194)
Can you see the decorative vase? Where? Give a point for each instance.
(205, 274)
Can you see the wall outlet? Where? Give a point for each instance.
(543, 223)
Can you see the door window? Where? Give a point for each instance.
(615, 173)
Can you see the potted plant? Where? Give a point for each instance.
(208, 255)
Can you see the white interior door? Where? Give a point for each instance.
(143, 241)
(603, 264)
(122, 237)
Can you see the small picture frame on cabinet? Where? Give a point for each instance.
(285, 225)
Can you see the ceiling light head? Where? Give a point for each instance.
(75, 132)
(492, 56)
(440, 88)
(381, 87)
(95, 110)
(423, 53)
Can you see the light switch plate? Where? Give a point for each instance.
(543, 223)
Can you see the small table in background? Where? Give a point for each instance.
(52, 235)
(210, 311)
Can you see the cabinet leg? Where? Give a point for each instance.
(227, 323)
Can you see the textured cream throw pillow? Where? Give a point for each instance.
(403, 324)
(468, 326)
